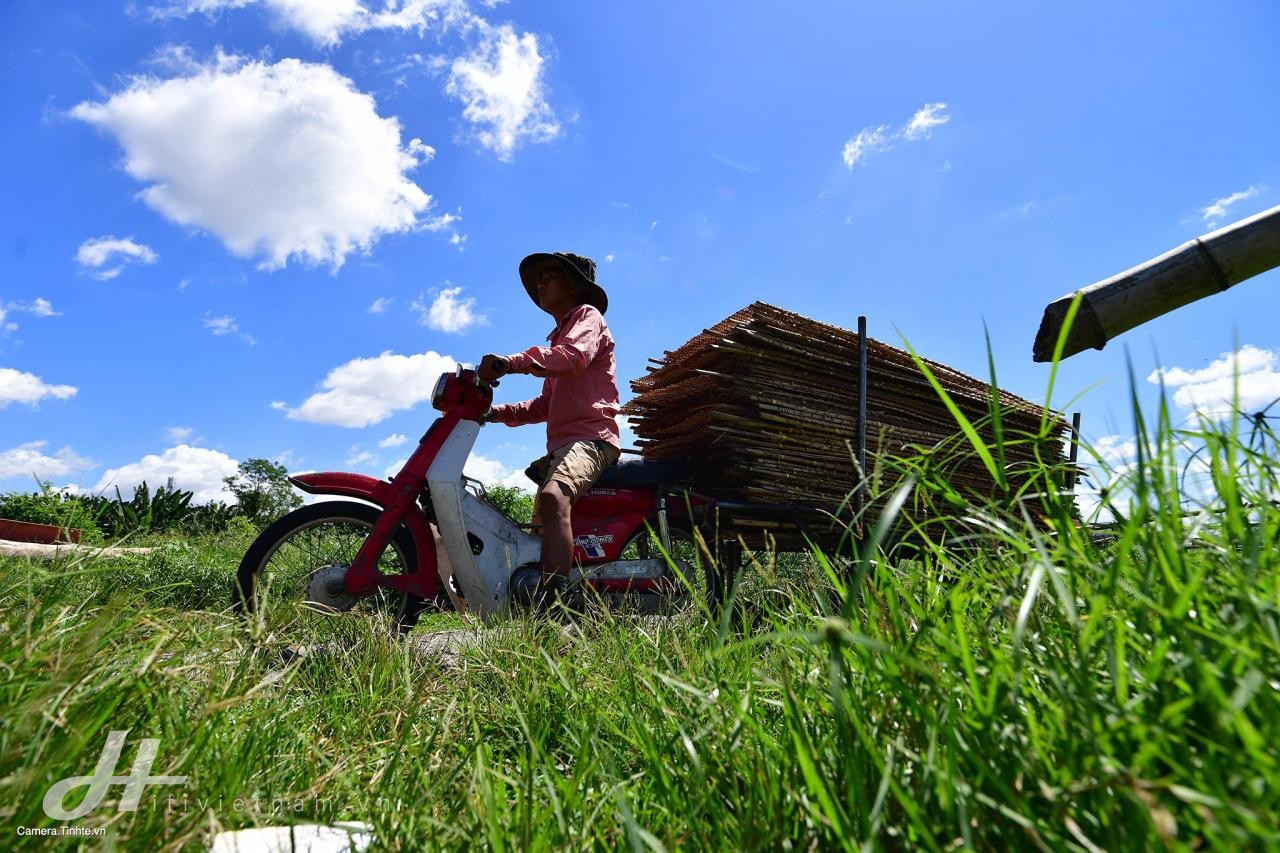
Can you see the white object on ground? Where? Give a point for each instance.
(303, 838)
(49, 552)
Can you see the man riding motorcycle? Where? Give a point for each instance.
(579, 399)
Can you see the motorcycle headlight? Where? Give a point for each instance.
(438, 393)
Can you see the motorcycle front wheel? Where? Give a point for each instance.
(271, 582)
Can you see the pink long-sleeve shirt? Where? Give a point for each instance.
(579, 399)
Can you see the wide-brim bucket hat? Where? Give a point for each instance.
(580, 270)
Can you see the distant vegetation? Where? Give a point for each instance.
(261, 488)
(263, 491)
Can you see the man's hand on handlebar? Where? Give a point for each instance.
(491, 367)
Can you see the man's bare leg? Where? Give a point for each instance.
(555, 506)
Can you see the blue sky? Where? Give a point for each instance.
(259, 228)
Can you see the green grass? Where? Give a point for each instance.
(1007, 683)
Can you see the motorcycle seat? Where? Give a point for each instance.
(646, 472)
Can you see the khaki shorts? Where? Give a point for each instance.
(578, 465)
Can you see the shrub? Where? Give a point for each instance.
(515, 503)
(51, 506)
(166, 510)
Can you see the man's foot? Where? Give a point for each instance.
(557, 599)
(548, 593)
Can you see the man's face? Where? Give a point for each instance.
(555, 293)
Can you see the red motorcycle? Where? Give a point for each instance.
(429, 537)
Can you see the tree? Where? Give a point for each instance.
(263, 491)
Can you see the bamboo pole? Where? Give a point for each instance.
(1075, 448)
(862, 416)
(1196, 269)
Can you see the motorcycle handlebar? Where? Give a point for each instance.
(500, 365)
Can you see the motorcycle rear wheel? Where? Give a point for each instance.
(271, 582)
(701, 586)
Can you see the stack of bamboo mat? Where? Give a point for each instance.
(766, 403)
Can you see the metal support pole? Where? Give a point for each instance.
(862, 416)
(1071, 456)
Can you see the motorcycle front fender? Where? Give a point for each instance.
(424, 582)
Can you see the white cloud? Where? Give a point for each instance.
(358, 457)
(1105, 470)
(179, 434)
(365, 391)
(393, 440)
(282, 161)
(29, 460)
(38, 308)
(1209, 390)
(19, 387)
(42, 308)
(327, 22)
(1218, 209)
(324, 21)
(491, 471)
(444, 224)
(106, 257)
(379, 305)
(501, 85)
(287, 458)
(448, 313)
(422, 15)
(1089, 502)
(872, 139)
(221, 326)
(1117, 451)
(194, 469)
(608, 259)
(868, 140)
(924, 121)
(482, 468)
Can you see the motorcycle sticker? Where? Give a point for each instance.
(593, 544)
